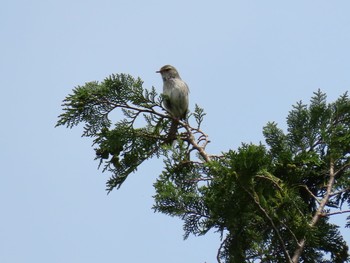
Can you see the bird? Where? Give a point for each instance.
(175, 92)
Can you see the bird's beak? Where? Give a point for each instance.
(158, 71)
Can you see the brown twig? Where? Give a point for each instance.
(191, 140)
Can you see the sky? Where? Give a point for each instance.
(246, 63)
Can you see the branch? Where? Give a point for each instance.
(319, 212)
(218, 254)
(269, 179)
(343, 168)
(285, 251)
(146, 110)
(340, 192)
(191, 140)
(201, 179)
(311, 193)
(125, 105)
(336, 213)
(290, 231)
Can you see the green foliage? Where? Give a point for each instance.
(318, 137)
(263, 200)
(179, 194)
(123, 147)
(199, 115)
(241, 198)
(138, 136)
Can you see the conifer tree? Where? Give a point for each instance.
(270, 202)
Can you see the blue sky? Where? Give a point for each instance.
(246, 63)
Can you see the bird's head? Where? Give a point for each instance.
(168, 72)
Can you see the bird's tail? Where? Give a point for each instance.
(172, 132)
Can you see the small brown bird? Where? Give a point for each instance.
(176, 96)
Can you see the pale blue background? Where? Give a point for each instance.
(246, 63)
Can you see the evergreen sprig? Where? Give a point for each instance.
(122, 148)
(139, 135)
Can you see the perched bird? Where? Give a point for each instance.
(175, 92)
